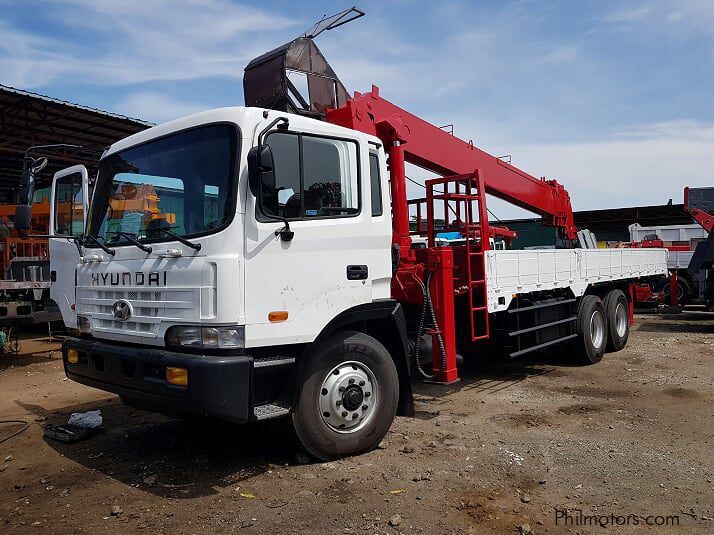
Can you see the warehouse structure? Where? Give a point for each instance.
(28, 119)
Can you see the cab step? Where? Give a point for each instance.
(269, 411)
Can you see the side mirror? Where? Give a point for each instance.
(261, 176)
(27, 187)
(23, 218)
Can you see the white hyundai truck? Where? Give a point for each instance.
(249, 263)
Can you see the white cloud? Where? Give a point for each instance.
(626, 15)
(157, 107)
(562, 54)
(680, 16)
(137, 41)
(622, 173)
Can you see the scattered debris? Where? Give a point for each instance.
(68, 433)
(407, 449)
(87, 420)
(395, 520)
(514, 458)
(116, 510)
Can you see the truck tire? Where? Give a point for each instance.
(592, 330)
(349, 396)
(684, 290)
(617, 310)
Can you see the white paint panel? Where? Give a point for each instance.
(519, 272)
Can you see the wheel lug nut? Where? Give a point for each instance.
(341, 389)
(351, 381)
(324, 391)
(344, 414)
(364, 407)
(361, 383)
(367, 394)
(338, 402)
(355, 416)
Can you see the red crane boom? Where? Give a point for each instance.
(436, 150)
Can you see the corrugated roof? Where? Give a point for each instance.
(28, 119)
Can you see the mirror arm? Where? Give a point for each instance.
(285, 233)
(285, 122)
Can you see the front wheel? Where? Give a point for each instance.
(349, 396)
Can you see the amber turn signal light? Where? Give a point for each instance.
(72, 356)
(177, 376)
(278, 315)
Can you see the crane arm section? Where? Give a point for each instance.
(440, 152)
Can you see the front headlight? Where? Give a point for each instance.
(193, 336)
(83, 325)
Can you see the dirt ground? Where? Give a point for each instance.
(517, 447)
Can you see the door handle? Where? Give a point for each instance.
(357, 273)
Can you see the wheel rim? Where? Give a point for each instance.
(621, 320)
(348, 397)
(597, 329)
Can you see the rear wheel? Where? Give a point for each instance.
(592, 330)
(349, 397)
(617, 310)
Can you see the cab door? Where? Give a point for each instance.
(295, 286)
(68, 217)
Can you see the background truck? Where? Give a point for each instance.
(691, 251)
(282, 278)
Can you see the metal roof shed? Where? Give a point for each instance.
(28, 119)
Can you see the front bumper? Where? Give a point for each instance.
(220, 386)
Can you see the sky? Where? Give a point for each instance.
(614, 99)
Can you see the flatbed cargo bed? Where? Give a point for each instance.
(520, 272)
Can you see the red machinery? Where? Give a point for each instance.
(469, 174)
(443, 276)
(705, 219)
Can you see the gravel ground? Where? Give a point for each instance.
(530, 446)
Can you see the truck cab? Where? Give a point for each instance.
(202, 281)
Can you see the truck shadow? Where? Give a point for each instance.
(175, 458)
(491, 375)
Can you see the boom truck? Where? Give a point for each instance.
(691, 254)
(288, 283)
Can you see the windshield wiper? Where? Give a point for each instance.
(103, 247)
(194, 246)
(132, 239)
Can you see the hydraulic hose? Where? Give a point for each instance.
(420, 331)
(428, 307)
(435, 325)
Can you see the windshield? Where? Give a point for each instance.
(183, 183)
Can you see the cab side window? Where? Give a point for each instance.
(69, 205)
(313, 177)
(375, 183)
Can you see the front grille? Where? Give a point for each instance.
(150, 308)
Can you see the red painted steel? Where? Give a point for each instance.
(429, 147)
(673, 288)
(706, 220)
(408, 138)
(440, 260)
